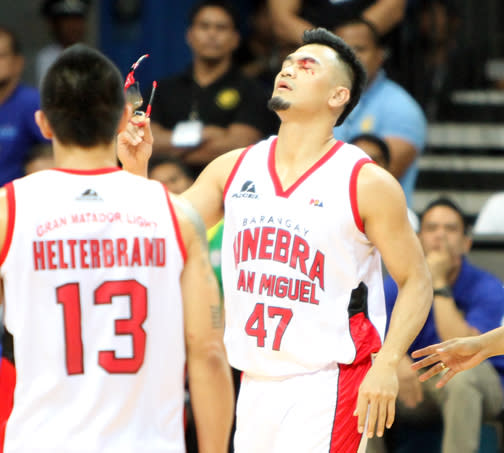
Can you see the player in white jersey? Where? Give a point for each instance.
(306, 218)
(108, 289)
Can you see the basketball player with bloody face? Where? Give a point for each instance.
(306, 219)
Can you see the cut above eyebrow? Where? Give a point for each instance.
(301, 58)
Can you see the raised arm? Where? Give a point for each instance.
(382, 207)
(210, 383)
(206, 194)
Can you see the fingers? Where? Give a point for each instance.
(135, 131)
(379, 411)
(361, 412)
(432, 349)
(436, 369)
(372, 418)
(430, 360)
(445, 378)
(390, 413)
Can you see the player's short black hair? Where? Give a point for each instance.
(353, 66)
(82, 96)
(15, 45)
(225, 5)
(382, 145)
(445, 201)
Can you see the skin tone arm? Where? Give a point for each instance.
(210, 384)
(215, 141)
(206, 194)
(402, 155)
(289, 27)
(386, 225)
(458, 354)
(450, 322)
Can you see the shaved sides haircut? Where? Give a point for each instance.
(351, 64)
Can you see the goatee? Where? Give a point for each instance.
(276, 103)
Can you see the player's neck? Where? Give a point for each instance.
(300, 140)
(77, 158)
(206, 72)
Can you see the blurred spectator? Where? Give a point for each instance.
(211, 108)
(67, 20)
(18, 103)
(467, 301)
(442, 63)
(261, 55)
(490, 219)
(40, 158)
(385, 108)
(172, 173)
(292, 17)
(378, 150)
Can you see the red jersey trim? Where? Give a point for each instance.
(176, 225)
(96, 171)
(7, 386)
(11, 215)
(280, 192)
(344, 437)
(234, 170)
(353, 191)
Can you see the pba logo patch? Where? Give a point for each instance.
(315, 202)
(228, 98)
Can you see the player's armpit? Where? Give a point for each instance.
(206, 194)
(210, 384)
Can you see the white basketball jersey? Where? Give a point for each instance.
(302, 282)
(91, 272)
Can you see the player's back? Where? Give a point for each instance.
(91, 270)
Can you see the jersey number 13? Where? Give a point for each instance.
(69, 297)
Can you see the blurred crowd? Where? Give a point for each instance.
(415, 62)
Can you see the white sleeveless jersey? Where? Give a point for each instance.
(91, 271)
(302, 283)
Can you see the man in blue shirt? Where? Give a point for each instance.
(467, 301)
(18, 103)
(385, 108)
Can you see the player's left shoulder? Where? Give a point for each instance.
(377, 189)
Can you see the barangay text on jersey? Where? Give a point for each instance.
(280, 240)
(92, 253)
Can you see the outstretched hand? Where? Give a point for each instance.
(134, 145)
(452, 356)
(378, 393)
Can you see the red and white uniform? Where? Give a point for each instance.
(91, 270)
(302, 285)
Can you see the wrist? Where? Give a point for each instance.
(443, 291)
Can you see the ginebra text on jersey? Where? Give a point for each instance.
(278, 244)
(96, 253)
